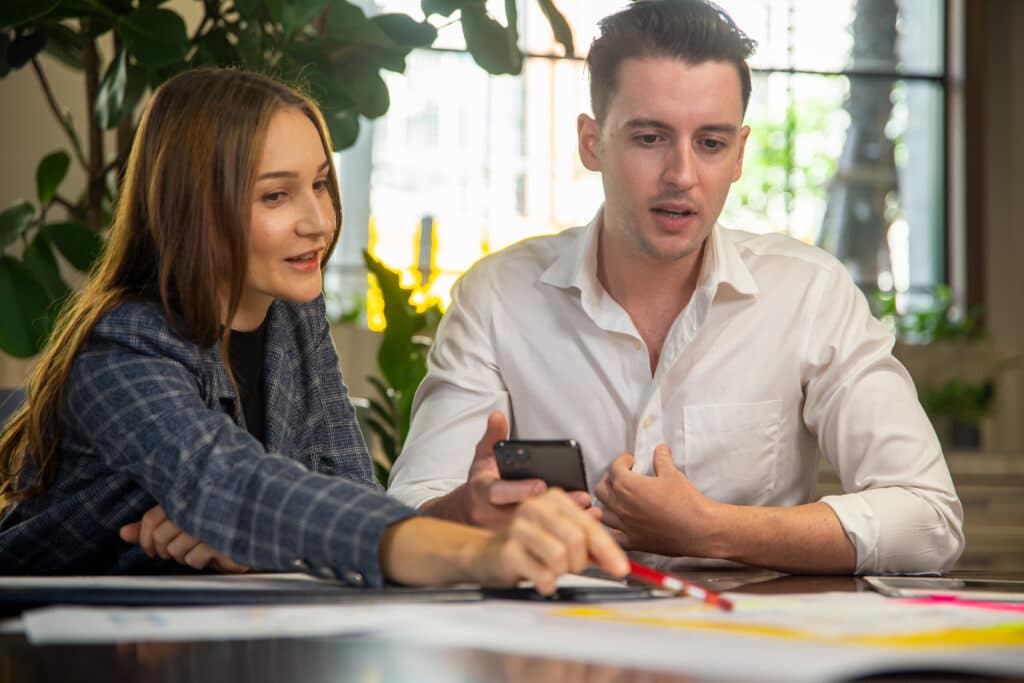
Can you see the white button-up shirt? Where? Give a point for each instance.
(775, 360)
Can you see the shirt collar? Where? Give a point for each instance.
(577, 267)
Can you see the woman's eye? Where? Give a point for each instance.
(320, 185)
(273, 197)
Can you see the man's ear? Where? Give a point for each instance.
(744, 134)
(588, 132)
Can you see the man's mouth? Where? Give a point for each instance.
(682, 213)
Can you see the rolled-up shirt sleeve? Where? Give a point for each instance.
(462, 387)
(900, 509)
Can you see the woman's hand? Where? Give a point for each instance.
(549, 535)
(158, 536)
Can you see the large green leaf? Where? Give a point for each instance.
(14, 220)
(369, 90)
(155, 36)
(25, 304)
(24, 48)
(297, 14)
(120, 91)
(346, 23)
(49, 174)
(215, 48)
(559, 26)
(79, 244)
(16, 12)
(343, 126)
(492, 45)
(404, 30)
(39, 259)
(63, 43)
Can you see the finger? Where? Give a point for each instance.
(497, 429)
(599, 545)
(663, 464)
(541, 538)
(595, 512)
(622, 539)
(581, 498)
(621, 465)
(520, 564)
(199, 557)
(130, 532)
(153, 518)
(162, 536)
(179, 546)
(612, 520)
(559, 517)
(503, 492)
(225, 564)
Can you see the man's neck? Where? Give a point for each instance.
(652, 291)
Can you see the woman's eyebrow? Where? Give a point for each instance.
(291, 174)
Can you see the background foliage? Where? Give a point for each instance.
(330, 46)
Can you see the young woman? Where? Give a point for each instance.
(194, 377)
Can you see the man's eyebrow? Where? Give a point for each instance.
(726, 128)
(291, 174)
(647, 123)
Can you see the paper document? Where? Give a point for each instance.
(107, 625)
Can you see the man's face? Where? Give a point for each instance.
(669, 148)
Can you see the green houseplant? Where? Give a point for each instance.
(401, 362)
(329, 45)
(953, 364)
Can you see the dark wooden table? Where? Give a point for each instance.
(369, 658)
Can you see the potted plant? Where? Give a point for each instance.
(330, 45)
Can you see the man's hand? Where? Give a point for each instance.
(486, 500)
(663, 514)
(159, 536)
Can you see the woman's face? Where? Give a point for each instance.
(292, 219)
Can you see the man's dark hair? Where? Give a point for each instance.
(693, 31)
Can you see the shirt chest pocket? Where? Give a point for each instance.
(731, 451)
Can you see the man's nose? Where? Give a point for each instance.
(681, 167)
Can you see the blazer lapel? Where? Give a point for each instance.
(278, 378)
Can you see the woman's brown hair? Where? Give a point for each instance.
(179, 237)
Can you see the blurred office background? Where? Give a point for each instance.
(883, 130)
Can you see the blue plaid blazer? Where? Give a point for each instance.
(151, 418)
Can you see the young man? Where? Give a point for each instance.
(702, 369)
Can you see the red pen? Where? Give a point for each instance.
(678, 585)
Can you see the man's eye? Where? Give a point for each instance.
(712, 144)
(649, 138)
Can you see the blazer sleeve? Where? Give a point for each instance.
(144, 415)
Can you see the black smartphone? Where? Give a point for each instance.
(557, 463)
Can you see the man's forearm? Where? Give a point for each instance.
(802, 539)
(450, 506)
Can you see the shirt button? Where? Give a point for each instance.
(301, 565)
(646, 422)
(638, 345)
(327, 573)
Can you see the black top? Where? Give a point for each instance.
(246, 357)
